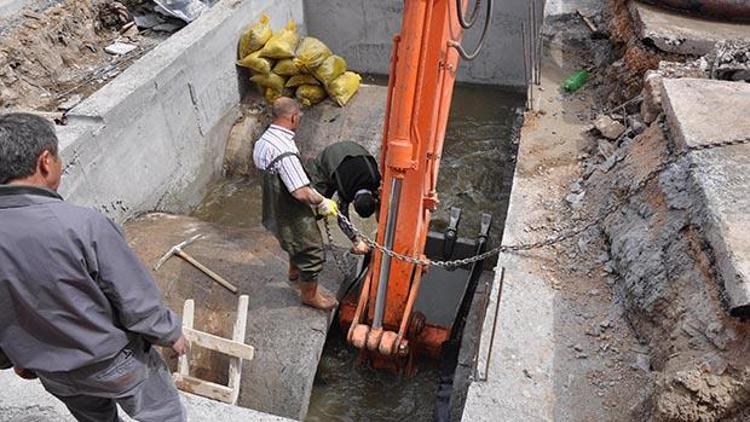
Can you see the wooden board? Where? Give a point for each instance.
(204, 388)
(219, 344)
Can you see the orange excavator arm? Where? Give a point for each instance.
(422, 75)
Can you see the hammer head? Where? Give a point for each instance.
(175, 250)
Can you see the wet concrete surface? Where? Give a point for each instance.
(288, 338)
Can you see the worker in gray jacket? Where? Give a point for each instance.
(79, 310)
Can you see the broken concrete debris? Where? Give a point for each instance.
(120, 48)
(609, 127)
(730, 60)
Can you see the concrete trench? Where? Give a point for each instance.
(644, 334)
(155, 136)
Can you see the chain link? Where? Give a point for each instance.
(569, 234)
(341, 267)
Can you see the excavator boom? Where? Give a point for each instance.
(423, 72)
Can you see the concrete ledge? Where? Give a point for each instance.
(704, 112)
(153, 137)
(28, 401)
(675, 33)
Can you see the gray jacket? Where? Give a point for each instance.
(72, 293)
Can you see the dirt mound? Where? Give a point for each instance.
(49, 56)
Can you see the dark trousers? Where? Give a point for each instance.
(137, 379)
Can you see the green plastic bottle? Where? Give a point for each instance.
(576, 81)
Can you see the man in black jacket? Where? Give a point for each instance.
(350, 171)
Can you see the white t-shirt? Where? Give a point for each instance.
(275, 141)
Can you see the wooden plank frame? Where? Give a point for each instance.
(235, 348)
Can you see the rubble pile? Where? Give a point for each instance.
(52, 58)
(664, 268)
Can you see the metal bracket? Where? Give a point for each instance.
(451, 232)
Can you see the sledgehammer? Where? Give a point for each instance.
(177, 250)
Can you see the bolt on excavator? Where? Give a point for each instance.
(405, 308)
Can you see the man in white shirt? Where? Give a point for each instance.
(290, 203)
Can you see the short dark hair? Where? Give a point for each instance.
(23, 139)
(365, 204)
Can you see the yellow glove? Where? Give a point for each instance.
(328, 208)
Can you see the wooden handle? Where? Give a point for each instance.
(217, 278)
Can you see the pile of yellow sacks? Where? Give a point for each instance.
(284, 65)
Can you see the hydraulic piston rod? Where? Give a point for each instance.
(385, 266)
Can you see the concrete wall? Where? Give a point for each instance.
(362, 30)
(152, 138)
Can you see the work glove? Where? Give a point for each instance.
(328, 208)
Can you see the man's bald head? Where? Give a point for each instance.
(284, 108)
(286, 113)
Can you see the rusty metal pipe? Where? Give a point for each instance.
(735, 10)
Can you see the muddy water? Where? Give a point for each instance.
(476, 174)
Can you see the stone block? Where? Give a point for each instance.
(705, 113)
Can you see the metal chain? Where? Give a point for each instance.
(551, 240)
(341, 267)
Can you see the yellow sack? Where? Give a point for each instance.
(311, 53)
(269, 80)
(344, 87)
(298, 80)
(286, 67)
(255, 37)
(258, 64)
(330, 69)
(309, 95)
(282, 44)
(271, 94)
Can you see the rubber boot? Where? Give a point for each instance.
(316, 297)
(293, 272)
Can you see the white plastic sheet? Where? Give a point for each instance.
(187, 10)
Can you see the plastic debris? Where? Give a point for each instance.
(576, 81)
(186, 10)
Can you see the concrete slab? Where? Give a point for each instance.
(361, 121)
(706, 112)
(28, 401)
(288, 338)
(681, 34)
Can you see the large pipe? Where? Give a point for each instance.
(737, 10)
